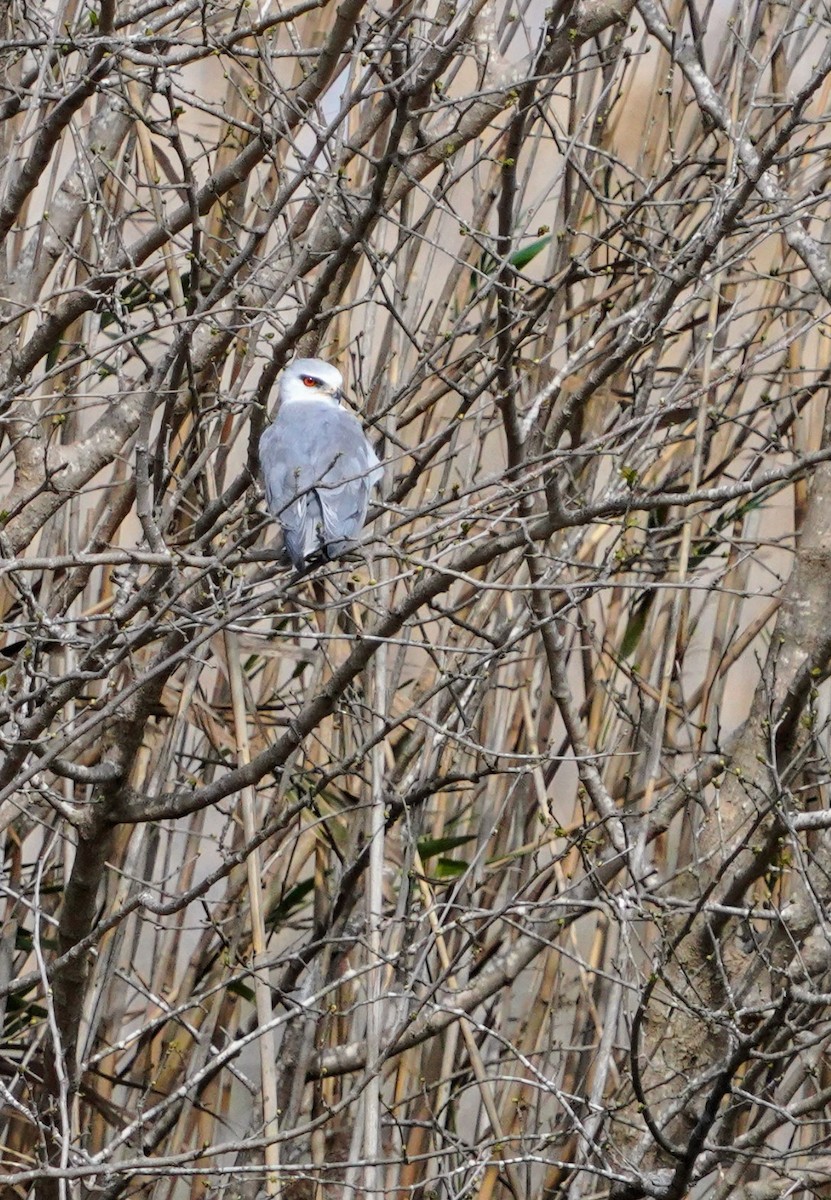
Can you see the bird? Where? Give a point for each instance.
(318, 467)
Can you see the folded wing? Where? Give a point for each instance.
(318, 470)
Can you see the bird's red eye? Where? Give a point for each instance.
(310, 381)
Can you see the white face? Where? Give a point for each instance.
(311, 379)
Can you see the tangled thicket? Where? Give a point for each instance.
(494, 859)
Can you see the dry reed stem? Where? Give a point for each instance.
(262, 988)
(207, 211)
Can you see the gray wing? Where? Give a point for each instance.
(343, 491)
(318, 470)
(282, 480)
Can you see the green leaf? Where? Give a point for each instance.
(521, 258)
(293, 899)
(238, 988)
(430, 847)
(636, 624)
(449, 868)
(31, 1010)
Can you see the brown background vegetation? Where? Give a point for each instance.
(492, 861)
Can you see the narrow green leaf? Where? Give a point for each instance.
(636, 624)
(237, 988)
(430, 847)
(449, 868)
(521, 258)
(292, 900)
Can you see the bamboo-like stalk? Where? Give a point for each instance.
(594, 361)
(372, 1145)
(473, 1054)
(262, 987)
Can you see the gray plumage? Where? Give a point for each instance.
(318, 467)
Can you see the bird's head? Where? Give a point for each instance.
(311, 379)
